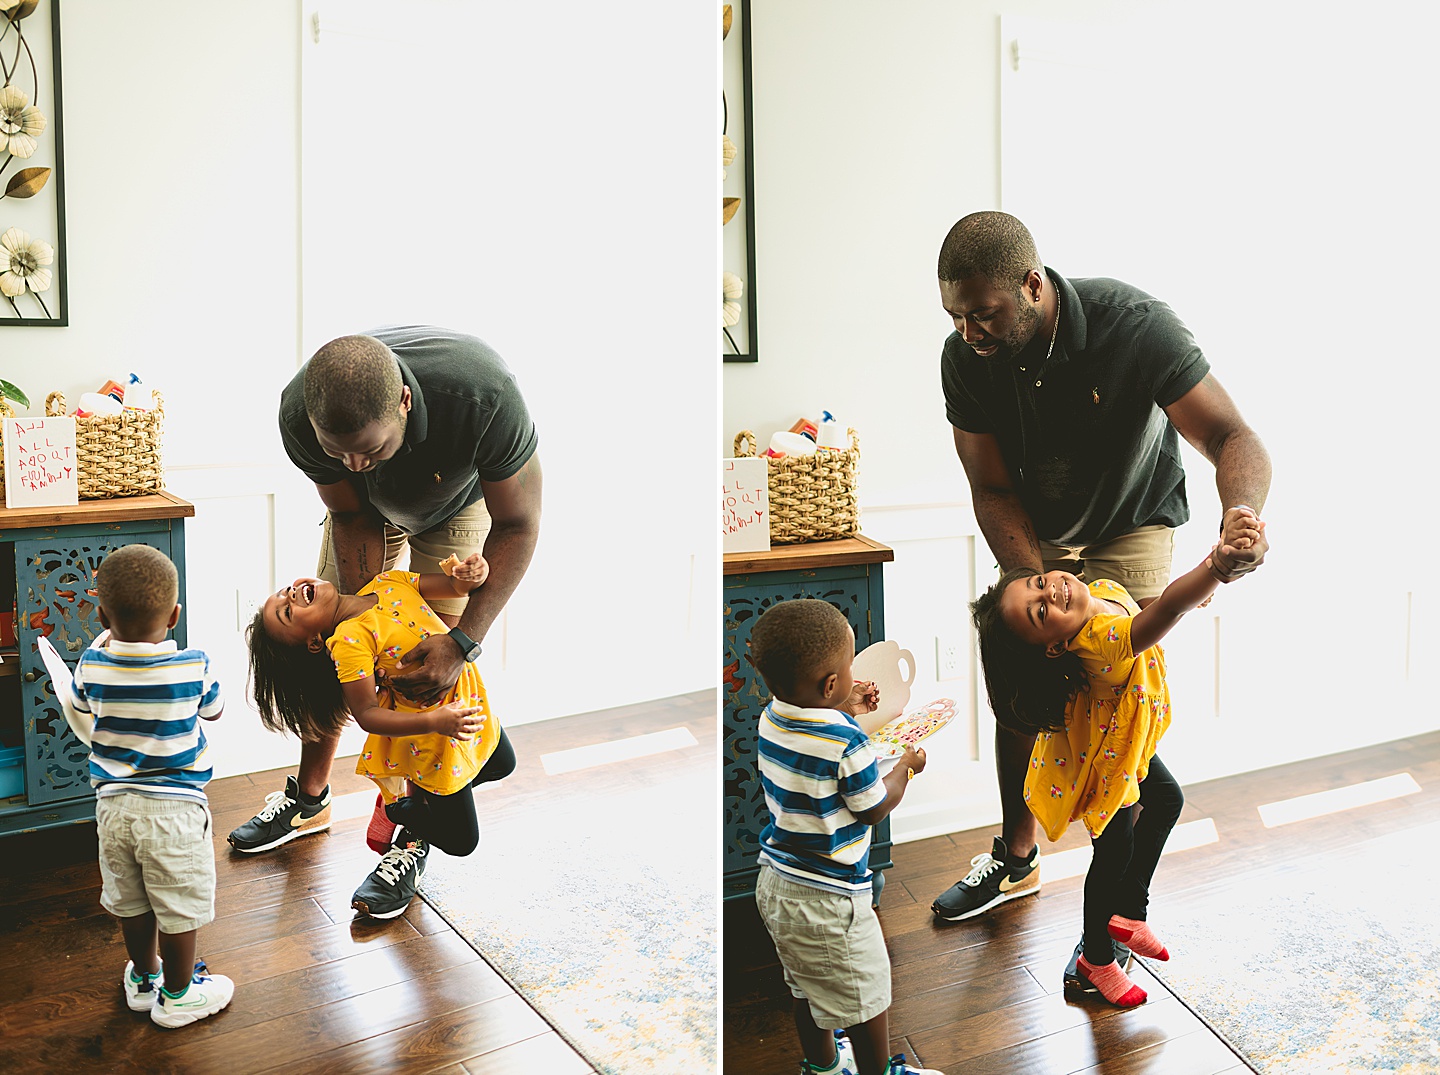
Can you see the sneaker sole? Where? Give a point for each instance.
(188, 1018)
(363, 908)
(295, 835)
(144, 1005)
(1003, 897)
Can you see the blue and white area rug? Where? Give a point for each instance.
(604, 921)
(1263, 966)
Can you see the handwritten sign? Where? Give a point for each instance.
(745, 508)
(40, 462)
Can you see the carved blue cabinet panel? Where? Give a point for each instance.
(55, 597)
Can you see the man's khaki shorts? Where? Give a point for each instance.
(155, 855)
(830, 947)
(1139, 560)
(463, 534)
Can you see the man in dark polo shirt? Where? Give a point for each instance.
(1067, 400)
(414, 436)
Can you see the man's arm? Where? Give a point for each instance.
(358, 534)
(1003, 520)
(1207, 417)
(514, 506)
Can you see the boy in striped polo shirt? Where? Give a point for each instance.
(824, 790)
(149, 770)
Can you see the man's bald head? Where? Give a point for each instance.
(350, 383)
(992, 245)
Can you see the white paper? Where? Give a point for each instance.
(745, 504)
(61, 679)
(41, 464)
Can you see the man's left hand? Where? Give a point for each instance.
(430, 670)
(1243, 544)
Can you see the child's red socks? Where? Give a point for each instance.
(1138, 936)
(381, 829)
(1114, 984)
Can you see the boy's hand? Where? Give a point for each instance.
(864, 698)
(457, 721)
(473, 570)
(913, 759)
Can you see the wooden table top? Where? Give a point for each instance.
(161, 505)
(837, 553)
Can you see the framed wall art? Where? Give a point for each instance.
(32, 189)
(737, 202)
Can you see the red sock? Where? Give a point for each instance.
(1138, 936)
(1114, 984)
(381, 830)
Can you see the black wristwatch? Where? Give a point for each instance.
(469, 648)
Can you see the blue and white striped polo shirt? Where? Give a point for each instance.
(817, 768)
(147, 698)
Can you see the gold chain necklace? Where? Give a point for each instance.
(1056, 330)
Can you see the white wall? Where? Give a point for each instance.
(875, 129)
(184, 206)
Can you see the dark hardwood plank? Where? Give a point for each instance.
(548, 1053)
(441, 1039)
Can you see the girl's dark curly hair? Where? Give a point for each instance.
(294, 689)
(1028, 691)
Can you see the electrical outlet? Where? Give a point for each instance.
(949, 657)
(246, 605)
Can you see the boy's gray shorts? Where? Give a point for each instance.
(156, 855)
(830, 947)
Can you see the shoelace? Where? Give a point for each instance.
(274, 803)
(981, 867)
(398, 860)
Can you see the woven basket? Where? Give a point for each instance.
(119, 454)
(812, 497)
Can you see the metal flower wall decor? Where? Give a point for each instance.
(32, 213)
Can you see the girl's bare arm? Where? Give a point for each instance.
(1155, 620)
(377, 720)
(459, 580)
(457, 720)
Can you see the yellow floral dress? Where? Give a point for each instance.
(372, 644)
(1094, 767)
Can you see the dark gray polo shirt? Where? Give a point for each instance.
(467, 422)
(1091, 453)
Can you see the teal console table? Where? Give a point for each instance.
(845, 572)
(54, 553)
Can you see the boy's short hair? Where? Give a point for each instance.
(792, 640)
(137, 586)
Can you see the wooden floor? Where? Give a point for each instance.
(318, 989)
(984, 997)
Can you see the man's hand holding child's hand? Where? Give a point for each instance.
(1242, 545)
(864, 698)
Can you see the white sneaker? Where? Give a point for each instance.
(899, 1067)
(206, 995)
(140, 992)
(844, 1054)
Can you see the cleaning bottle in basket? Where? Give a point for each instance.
(137, 396)
(832, 433)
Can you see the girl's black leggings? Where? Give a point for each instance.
(1125, 857)
(448, 821)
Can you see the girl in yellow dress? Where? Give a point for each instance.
(318, 656)
(1079, 667)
